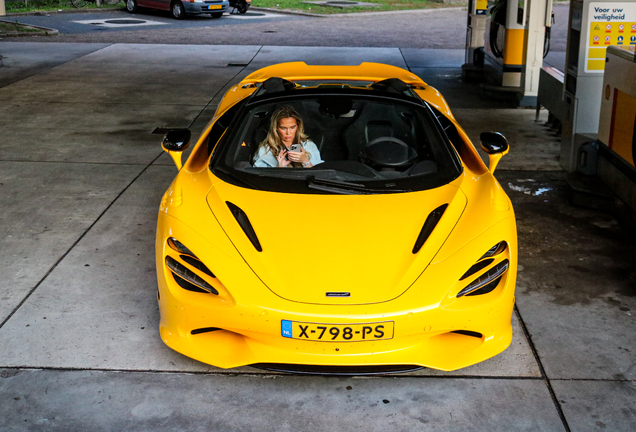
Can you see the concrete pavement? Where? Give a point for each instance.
(428, 28)
(81, 177)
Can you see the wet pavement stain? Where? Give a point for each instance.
(572, 254)
(8, 373)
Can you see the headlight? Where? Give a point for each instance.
(185, 277)
(489, 280)
(189, 276)
(492, 276)
(495, 250)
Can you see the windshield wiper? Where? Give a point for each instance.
(345, 188)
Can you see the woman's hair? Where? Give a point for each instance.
(273, 141)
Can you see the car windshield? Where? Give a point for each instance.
(356, 143)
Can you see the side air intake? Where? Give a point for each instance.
(245, 224)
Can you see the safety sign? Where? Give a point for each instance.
(481, 7)
(610, 24)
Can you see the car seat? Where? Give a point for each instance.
(377, 121)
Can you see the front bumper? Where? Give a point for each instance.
(262, 342)
(206, 8)
(247, 322)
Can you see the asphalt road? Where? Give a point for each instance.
(120, 21)
(432, 28)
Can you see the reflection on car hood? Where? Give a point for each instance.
(318, 244)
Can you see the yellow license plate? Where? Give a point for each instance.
(337, 332)
(215, 7)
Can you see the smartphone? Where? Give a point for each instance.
(296, 148)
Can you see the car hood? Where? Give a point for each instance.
(358, 246)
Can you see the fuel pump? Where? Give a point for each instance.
(516, 40)
(593, 26)
(475, 31)
(616, 162)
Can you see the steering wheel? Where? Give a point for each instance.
(388, 152)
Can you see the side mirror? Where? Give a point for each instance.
(175, 141)
(495, 145)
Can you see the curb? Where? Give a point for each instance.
(66, 11)
(44, 31)
(356, 14)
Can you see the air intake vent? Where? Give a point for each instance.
(197, 264)
(204, 330)
(469, 333)
(429, 226)
(476, 267)
(336, 370)
(245, 224)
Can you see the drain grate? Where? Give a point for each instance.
(125, 21)
(119, 23)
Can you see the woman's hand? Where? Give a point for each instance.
(282, 160)
(300, 156)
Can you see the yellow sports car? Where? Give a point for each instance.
(338, 220)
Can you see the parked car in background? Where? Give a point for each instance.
(181, 8)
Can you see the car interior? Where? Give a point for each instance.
(362, 136)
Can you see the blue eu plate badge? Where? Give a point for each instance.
(286, 327)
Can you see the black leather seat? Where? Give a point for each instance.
(376, 121)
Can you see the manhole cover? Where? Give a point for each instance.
(124, 21)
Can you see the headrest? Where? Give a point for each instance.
(275, 85)
(335, 106)
(391, 85)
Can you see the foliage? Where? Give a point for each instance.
(44, 6)
(383, 5)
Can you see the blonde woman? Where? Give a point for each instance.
(285, 129)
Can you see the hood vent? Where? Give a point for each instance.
(429, 226)
(245, 224)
